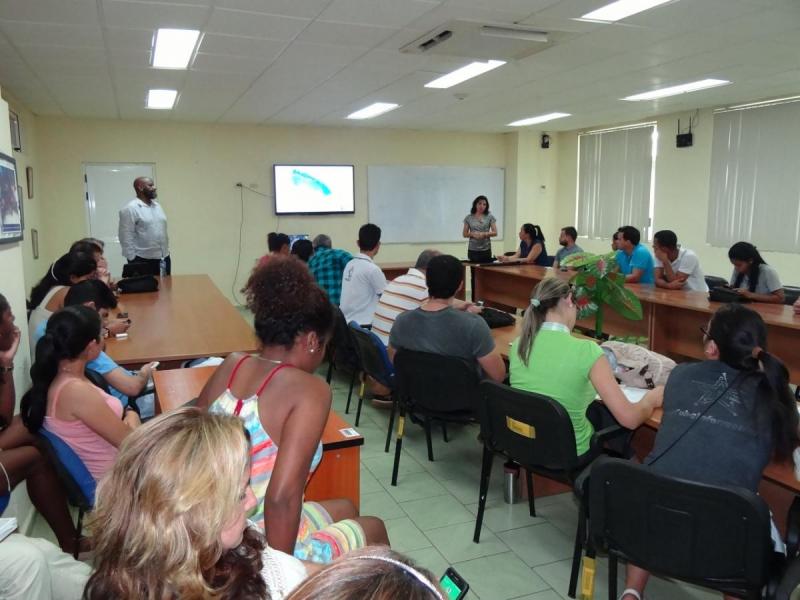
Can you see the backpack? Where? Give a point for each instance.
(639, 367)
(137, 285)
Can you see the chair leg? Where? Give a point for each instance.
(391, 424)
(330, 369)
(486, 474)
(78, 531)
(398, 445)
(428, 438)
(361, 392)
(350, 393)
(580, 538)
(531, 499)
(612, 576)
(444, 432)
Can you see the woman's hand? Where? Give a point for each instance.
(7, 357)
(116, 326)
(131, 419)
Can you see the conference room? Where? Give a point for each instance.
(451, 125)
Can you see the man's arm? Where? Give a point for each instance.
(127, 228)
(634, 276)
(677, 282)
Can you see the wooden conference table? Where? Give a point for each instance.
(671, 320)
(338, 474)
(188, 317)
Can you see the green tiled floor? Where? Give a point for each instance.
(430, 516)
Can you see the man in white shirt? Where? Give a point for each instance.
(143, 227)
(676, 268)
(363, 281)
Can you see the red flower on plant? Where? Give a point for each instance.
(582, 302)
(591, 281)
(601, 265)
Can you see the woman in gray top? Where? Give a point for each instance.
(752, 277)
(480, 226)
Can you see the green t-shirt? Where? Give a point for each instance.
(559, 367)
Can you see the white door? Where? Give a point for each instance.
(109, 187)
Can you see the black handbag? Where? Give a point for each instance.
(496, 318)
(725, 294)
(137, 285)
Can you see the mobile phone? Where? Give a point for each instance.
(454, 586)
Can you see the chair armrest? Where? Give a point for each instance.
(793, 528)
(608, 433)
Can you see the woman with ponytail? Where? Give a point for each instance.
(47, 296)
(65, 402)
(548, 360)
(752, 277)
(531, 247)
(726, 417)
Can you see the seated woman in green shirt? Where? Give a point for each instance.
(548, 360)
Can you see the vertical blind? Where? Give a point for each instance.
(614, 180)
(755, 178)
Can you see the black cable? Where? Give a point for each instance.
(239, 255)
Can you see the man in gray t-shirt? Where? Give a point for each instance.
(436, 327)
(568, 245)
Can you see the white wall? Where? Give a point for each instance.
(681, 195)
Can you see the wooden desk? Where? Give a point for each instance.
(337, 476)
(671, 321)
(188, 317)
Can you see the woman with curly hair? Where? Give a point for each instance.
(284, 407)
(169, 520)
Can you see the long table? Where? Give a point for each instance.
(338, 474)
(188, 317)
(671, 321)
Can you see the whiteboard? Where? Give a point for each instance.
(428, 204)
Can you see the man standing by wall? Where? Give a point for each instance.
(143, 227)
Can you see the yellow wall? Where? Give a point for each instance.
(198, 165)
(681, 195)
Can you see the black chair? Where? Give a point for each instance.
(374, 362)
(343, 352)
(432, 388)
(713, 281)
(535, 432)
(711, 536)
(78, 483)
(790, 294)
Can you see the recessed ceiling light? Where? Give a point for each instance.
(373, 110)
(676, 90)
(174, 48)
(539, 119)
(467, 72)
(622, 8)
(161, 99)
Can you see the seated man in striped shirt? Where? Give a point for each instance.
(407, 292)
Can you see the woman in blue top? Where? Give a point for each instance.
(531, 247)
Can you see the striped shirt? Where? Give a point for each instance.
(407, 292)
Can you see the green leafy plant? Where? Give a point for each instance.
(599, 284)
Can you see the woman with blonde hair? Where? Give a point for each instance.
(548, 360)
(169, 520)
(375, 573)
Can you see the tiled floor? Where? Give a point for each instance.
(430, 516)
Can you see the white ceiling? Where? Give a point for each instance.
(312, 62)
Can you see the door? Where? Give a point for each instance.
(109, 187)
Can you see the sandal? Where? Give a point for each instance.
(630, 592)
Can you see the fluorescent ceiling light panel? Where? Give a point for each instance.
(621, 9)
(761, 103)
(467, 72)
(174, 48)
(675, 90)
(373, 110)
(161, 99)
(514, 33)
(539, 119)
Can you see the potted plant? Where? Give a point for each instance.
(599, 284)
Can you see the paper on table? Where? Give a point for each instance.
(7, 527)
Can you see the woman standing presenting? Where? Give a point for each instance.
(480, 227)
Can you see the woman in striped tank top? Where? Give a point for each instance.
(285, 406)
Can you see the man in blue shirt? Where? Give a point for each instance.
(634, 260)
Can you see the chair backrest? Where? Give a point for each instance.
(713, 281)
(529, 428)
(73, 474)
(97, 379)
(713, 536)
(790, 294)
(373, 354)
(434, 383)
(343, 346)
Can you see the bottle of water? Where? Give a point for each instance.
(162, 268)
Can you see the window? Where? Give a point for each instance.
(755, 177)
(616, 177)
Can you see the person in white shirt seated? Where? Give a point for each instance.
(363, 281)
(170, 517)
(676, 268)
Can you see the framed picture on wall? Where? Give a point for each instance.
(11, 223)
(16, 136)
